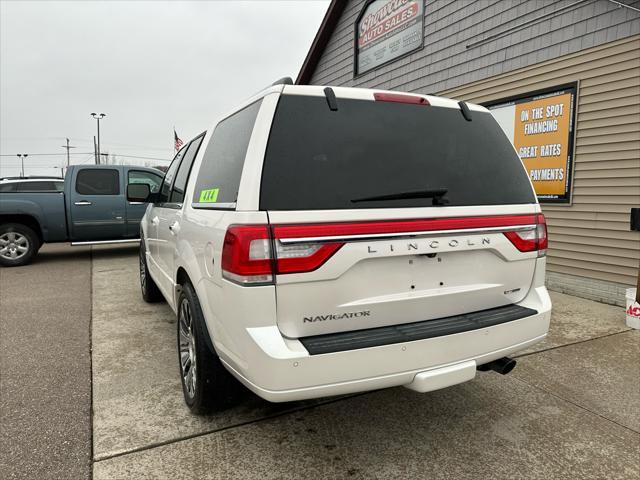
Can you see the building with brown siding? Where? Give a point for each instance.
(515, 55)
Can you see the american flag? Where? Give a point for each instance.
(176, 138)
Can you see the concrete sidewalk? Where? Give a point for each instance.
(569, 410)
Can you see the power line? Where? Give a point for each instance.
(46, 154)
(89, 153)
(144, 158)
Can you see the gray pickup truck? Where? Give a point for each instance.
(91, 208)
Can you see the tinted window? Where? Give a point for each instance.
(180, 184)
(219, 175)
(44, 186)
(322, 159)
(7, 187)
(94, 181)
(165, 189)
(152, 179)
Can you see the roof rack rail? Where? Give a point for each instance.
(283, 81)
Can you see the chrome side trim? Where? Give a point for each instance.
(214, 206)
(431, 233)
(105, 242)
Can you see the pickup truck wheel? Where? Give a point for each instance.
(18, 244)
(150, 291)
(206, 384)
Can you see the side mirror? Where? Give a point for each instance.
(138, 192)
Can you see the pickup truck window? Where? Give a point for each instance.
(165, 189)
(98, 181)
(28, 186)
(223, 159)
(151, 179)
(180, 183)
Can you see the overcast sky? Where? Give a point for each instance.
(148, 65)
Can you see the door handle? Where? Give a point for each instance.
(83, 202)
(174, 228)
(155, 221)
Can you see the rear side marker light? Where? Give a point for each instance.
(400, 98)
(533, 239)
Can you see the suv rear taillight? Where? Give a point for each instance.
(532, 239)
(301, 257)
(246, 255)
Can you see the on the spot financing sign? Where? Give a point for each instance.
(541, 129)
(387, 29)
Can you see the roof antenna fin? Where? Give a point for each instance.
(466, 113)
(331, 99)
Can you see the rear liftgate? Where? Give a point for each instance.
(347, 285)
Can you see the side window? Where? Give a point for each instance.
(98, 181)
(8, 187)
(152, 179)
(180, 184)
(165, 189)
(219, 176)
(59, 186)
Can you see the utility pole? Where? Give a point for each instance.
(95, 150)
(67, 146)
(22, 156)
(98, 117)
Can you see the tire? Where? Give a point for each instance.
(18, 244)
(150, 291)
(206, 384)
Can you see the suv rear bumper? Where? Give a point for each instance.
(280, 369)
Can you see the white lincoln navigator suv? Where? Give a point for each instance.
(323, 240)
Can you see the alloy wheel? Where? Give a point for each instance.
(143, 273)
(187, 348)
(13, 245)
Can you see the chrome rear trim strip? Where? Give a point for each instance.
(398, 235)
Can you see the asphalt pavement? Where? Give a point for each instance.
(45, 366)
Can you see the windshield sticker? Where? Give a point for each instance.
(209, 196)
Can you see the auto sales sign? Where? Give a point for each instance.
(387, 29)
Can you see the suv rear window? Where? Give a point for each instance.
(322, 159)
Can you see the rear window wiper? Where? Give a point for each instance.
(437, 194)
